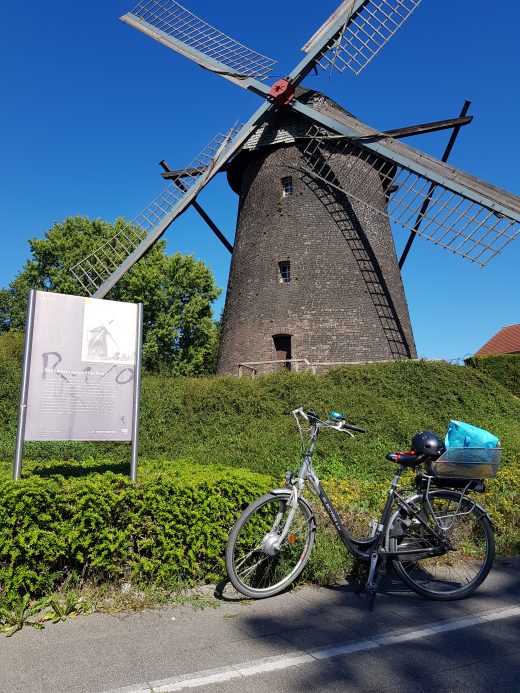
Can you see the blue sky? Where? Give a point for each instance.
(90, 106)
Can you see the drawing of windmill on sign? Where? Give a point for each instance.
(314, 274)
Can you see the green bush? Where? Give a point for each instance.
(172, 526)
(505, 368)
(247, 424)
(358, 500)
(11, 354)
(83, 519)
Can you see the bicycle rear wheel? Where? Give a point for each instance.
(463, 564)
(254, 566)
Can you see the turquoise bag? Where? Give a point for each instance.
(464, 435)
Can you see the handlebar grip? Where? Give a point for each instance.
(354, 428)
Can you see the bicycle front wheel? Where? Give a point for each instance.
(256, 566)
(464, 557)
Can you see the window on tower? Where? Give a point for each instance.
(287, 186)
(284, 271)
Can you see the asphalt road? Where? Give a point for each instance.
(309, 639)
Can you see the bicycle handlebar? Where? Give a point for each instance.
(340, 425)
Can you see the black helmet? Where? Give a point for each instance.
(428, 443)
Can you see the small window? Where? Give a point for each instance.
(287, 186)
(284, 269)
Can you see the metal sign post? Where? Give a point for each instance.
(137, 392)
(22, 409)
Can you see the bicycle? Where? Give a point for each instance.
(440, 541)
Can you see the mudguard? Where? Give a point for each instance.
(285, 491)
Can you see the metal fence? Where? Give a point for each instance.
(252, 369)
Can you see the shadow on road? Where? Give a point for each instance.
(482, 657)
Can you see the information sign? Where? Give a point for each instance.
(81, 369)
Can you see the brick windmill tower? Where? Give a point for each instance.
(314, 273)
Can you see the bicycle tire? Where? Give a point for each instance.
(457, 572)
(251, 570)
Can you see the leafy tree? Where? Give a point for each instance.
(176, 292)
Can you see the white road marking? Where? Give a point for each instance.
(298, 657)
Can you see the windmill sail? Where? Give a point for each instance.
(460, 212)
(184, 32)
(463, 214)
(100, 270)
(357, 31)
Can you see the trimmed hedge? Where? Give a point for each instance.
(172, 526)
(505, 368)
(83, 519)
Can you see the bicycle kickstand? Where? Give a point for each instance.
(373, 575)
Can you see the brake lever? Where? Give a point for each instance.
(300, 412)
(339, 427)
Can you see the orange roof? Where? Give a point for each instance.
(506, 341)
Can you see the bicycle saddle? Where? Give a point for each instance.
(407, 459)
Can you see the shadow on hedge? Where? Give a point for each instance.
(78, 470)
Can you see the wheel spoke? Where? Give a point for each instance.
(251, 567)
(461, 567)
(267, 569)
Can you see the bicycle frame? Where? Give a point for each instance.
(360, 548)
(373, 548)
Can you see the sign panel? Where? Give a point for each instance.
(81, 380)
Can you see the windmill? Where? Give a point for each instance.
(314, 272)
